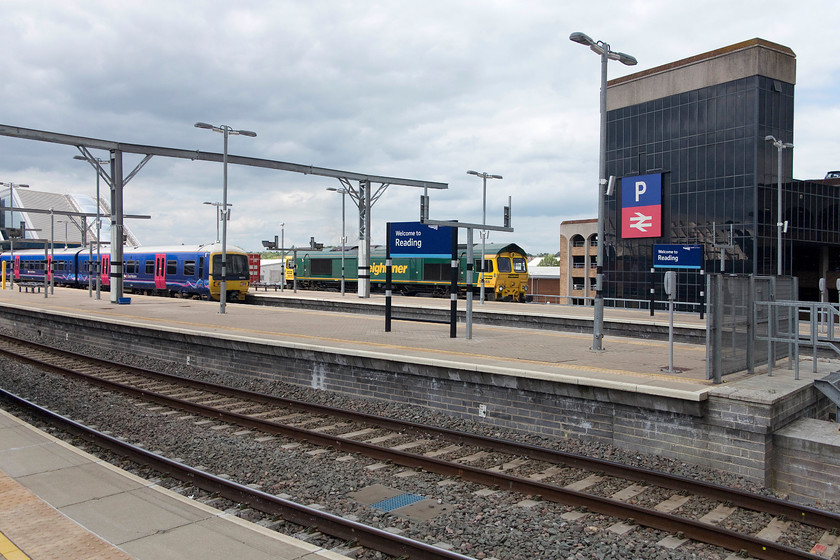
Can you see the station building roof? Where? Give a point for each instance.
(38, 224)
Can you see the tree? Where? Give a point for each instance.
(549, 260)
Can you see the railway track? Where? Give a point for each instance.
(685, 508)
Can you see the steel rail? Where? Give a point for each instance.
(329, 524)
(711, 534)
(740, 498)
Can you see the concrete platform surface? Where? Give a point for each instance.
(626, 364)
(57, 502)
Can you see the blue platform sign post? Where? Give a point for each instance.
(413, 239)
(418, 240)
(687, 257)
(678, 256)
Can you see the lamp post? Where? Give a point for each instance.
(283, 254)
(218, 206)
(484, 176)
(96, 162)
(603, 50)
(11, 225)
(226, 131)
(65, 222)
(780, 223)
(342, 192)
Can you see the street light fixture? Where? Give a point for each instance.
(12, 225)
(65, 222)
(342, 192)
(779, 224)
(603, 50)
(283, 255)
(95, 268)
(484, 176)
(218, 206)
(226, 131)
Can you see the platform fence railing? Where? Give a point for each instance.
(800, 323)
(618, 303)
(737, 318)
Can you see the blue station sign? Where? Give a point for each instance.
(678, 256)
(413, 239)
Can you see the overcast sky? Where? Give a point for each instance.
(419, 90)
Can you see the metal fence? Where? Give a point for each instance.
(734, 321)
(799, 323)
(620, 303)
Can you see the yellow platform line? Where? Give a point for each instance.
(9, 551)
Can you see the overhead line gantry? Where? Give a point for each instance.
(361, 195)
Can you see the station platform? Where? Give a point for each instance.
(57, 502)
(633, 323)
(530, 379)
(628, 363)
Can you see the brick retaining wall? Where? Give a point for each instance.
(722, 432)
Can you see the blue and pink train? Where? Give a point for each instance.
(181, 270)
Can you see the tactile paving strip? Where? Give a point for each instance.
(45, 533)
(397, 502)
(10, 551)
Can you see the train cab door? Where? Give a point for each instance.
(105, 270)
(17, 267)
(160, 271)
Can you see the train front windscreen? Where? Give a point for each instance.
(236, 265)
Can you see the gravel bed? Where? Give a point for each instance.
(498, 525)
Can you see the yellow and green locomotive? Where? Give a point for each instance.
(505, 272)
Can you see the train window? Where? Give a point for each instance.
(504, 264)
(201, 267)
(171, 267)
(189, 268)
(236, 267)
(150, 268)
(519, 265)
(131, 267)
(488, 266)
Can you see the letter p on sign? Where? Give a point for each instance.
(641, 188)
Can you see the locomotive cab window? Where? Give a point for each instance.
(488, 265)
(519, 265)
(504, 264)
(236, 267)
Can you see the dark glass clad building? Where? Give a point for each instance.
(701, 124)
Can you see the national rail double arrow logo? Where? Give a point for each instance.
(641, 206)
(641, 222)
